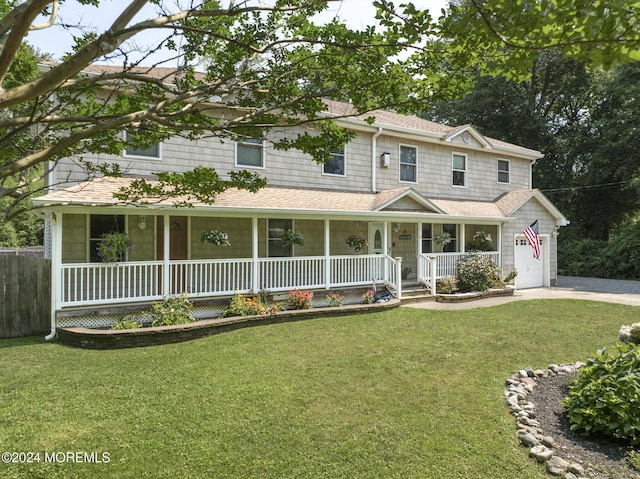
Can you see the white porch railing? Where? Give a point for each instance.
(434, 266)
(85, 284)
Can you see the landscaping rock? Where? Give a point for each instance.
(529, 440)
(576, 469)
(557, 466)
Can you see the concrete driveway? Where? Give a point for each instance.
(594, 289)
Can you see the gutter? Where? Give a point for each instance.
(374, 159)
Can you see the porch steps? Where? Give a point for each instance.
(416, 293)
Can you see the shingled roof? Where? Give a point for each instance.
(99, 192)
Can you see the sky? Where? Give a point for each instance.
(57, 41)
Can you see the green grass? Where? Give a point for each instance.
(407, 393)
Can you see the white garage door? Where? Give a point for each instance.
(530, 270)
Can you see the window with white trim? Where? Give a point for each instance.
(503, 171)
(459, 167)
(250, 152)
(151, 151)
(335, 165)
(408, 163)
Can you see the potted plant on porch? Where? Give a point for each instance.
(357, 243)
(218, 238)
(290, 237)
(113, 247)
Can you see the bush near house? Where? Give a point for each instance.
(478, 273)
(250, 305)
(300, 299)
(604, 398)
(172, 310)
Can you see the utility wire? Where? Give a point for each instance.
(587, 187)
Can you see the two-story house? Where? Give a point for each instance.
(399, 184)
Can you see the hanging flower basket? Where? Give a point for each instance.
(357, 243)
(442, 239)
(113, 247)
(290, 237)
(218, 238)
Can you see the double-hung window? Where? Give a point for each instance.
(335, 165)
(277, 248)
(250, 153)
(408, 164)
(503, 171)
(459, 167)
(151, 151)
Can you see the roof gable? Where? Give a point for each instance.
(467, 135)
(405, 199)
(509, 203)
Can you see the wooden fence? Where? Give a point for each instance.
(25, 296)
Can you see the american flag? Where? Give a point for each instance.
(532, 233)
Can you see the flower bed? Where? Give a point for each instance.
(462, 297)
(153, 336)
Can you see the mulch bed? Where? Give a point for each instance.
(602, 458)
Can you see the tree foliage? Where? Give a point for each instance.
(253, 70)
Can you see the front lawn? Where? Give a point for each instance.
(407, 393)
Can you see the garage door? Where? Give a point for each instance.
(530, 270)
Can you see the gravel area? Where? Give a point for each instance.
(602, 459)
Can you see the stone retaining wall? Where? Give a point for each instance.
(153, 336)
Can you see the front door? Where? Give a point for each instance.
(178, 250)
(376, 238)
(177, 237)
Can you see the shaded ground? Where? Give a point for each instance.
(602, 459)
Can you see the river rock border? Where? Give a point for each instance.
(541, 447)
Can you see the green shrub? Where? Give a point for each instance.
(478, 273)
(449, 284)
(127, 321)
(250, 305)
(172, 310)
(605, 398)
(335, 300)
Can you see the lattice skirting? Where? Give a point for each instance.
(199, 311)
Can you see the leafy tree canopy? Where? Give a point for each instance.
(251, 70)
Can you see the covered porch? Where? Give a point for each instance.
(168, 255)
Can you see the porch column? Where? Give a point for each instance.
(56, 270)
(399, 277)
(499, 243)
(255, 277)
(166, 259)
(327, 254)
(463, 231)
(433, 271)
(385, 248)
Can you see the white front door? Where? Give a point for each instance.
(376, 238)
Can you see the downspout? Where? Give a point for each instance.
(374, 159)
(532, 162)
(56, 253)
